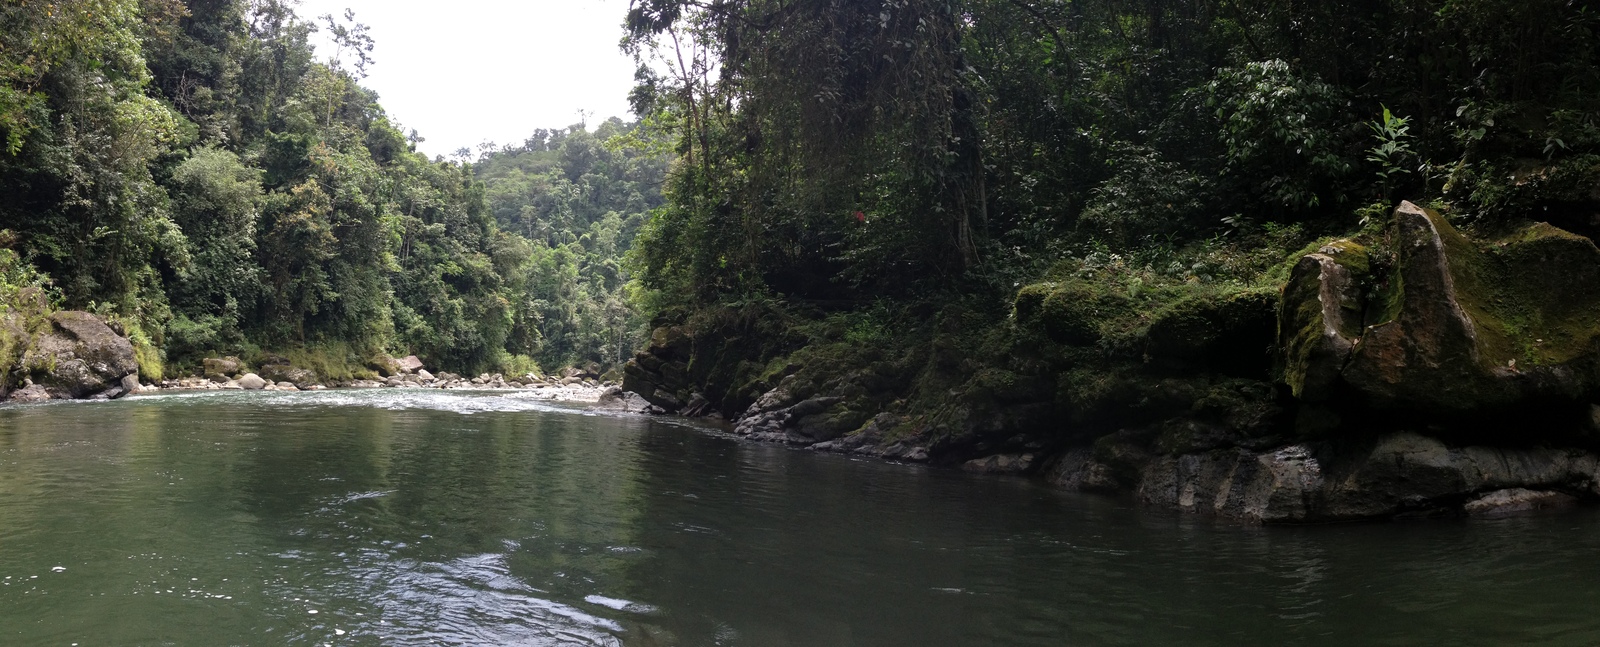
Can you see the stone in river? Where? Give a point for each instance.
(78, 356)
(1516, 501)
(224, 367)
(32, 393)
(410, 364)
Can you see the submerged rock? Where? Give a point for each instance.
(1399, 474)
(1514, 501)
(1001, 464)
(614, 397)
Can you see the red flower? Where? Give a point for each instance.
(861, 217)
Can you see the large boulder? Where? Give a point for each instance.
(1513, 501)
(222, 367)
(1430, 352)
(252, 382)
(410, 364)
(31, 393)
(1455, 328)
(660, 374)
(300, 377)
(78, 356)
(385, 365)
(1320, 318)
(1001, 464)
(617, 399)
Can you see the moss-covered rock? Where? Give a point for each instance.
(1069, 312)
(1228, 332)
(302, 378)
(1447, 328)
(1469, 328)
(1320, 318)
(78, 356)
(222, 368)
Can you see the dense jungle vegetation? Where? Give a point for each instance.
(192, 171)
(1068, 218)
(852, 151)
(871, 173)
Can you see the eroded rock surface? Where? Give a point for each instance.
(32, 393)
(78, 356)
(1320, 319)
(1455, 328)
(1514, 501)
(409, 364)
(220, 369)
(660, 374)
(300, 377)
(1400, 474)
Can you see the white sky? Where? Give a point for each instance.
(464, 71)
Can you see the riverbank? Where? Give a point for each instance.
(1406, 370)
(576, 391)
(591, 393)
(70, 355)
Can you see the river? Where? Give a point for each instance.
(412, 517)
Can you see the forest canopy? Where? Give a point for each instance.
(194, 171)
(847, 151)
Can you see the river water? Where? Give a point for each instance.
(410, 517)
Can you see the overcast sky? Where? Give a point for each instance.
(464, 71)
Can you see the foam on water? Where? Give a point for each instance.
(620, 605)
(462, 402)
(473, 600)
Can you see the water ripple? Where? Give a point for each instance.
(471, 600)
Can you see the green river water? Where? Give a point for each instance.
(410, 517)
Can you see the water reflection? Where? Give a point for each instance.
(407, 518)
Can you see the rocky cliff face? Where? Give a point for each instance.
(710, 367)
(1407, 371)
